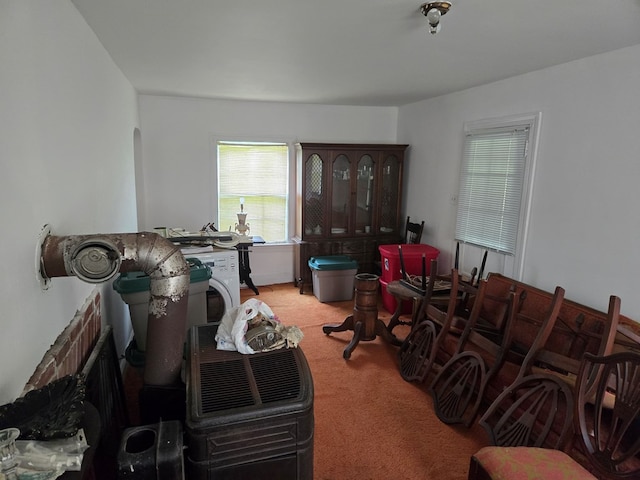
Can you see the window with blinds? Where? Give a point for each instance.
(492, 179)
(257, 173)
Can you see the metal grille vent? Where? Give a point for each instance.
(248, 381)
(277, 376)
(224, 385)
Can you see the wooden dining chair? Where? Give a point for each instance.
(413, 231)
(458, 388)
(472, 280)
(480, 272)
(535, 410)
(607, 423)
(412, 234)
(434, 320)
(402, 291)
(490, 344)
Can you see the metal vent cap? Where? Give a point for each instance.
(95, 261)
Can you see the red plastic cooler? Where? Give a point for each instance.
(412, 255)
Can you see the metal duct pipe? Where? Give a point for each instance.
(97, 258)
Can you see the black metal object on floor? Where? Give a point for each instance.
(248, 416)
(152, 452)
(105, 391)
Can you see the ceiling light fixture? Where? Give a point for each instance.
(433, 11)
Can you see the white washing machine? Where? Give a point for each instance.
(224, 284)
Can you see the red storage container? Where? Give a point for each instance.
(389, 301)
(412, 256)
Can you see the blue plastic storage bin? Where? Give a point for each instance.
(333, 277)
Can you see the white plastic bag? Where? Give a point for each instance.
(267, 332)
(235, 323)
(49, 459)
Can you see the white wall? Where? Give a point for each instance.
(67, 117)
(584, 228)
(178, 145)
(179, 135)
(271, 264)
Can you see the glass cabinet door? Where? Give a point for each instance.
(390, 194)
(314, 208)
(365, 200)
(340, 195)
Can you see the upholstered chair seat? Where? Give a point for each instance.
(526, 463)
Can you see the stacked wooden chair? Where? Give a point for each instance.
(606, 418)
(440, 320)
(488, 343)
(467, 288)
(430, 325)
(516, 351)
(536, 408)
(412, 235)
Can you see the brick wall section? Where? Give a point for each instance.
(72, 347)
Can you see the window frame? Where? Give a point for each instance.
(512, 265)
(290, 203)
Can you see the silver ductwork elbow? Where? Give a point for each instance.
(97, 258)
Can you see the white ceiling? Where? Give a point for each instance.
(351, 52)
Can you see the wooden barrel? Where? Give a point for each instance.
(366, 303)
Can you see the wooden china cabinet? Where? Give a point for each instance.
(348, 200)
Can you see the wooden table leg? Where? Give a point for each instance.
(358, 328)
(348, 324)
(339, 327)
(364, 321)
(357, 333)
(383, 331)
(245, 268)
(394, 321)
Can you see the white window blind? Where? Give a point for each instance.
(491, 186)
(258, 174)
